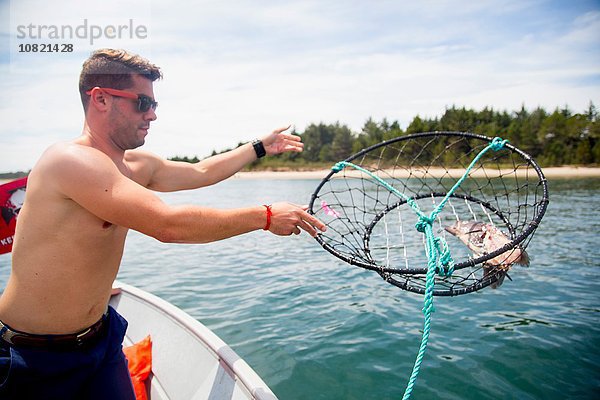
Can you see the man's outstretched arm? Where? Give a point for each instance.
(92, 180)
(167, 176)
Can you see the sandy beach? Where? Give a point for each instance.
(550, 173)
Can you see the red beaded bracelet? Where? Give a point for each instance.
(269, 214)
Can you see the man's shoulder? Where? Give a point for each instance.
(143, 165)
(141, 156)
(67, 150)
(69, 164)
(68, 155)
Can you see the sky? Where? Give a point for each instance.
(236, 70)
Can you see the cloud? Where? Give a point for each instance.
(236, 70)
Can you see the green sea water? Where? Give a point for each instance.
(314, 327)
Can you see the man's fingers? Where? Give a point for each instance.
(291, 218)
(294, 146)
(308, 228)
(311, 219)
(289, 136)
(316, 223)
(292, 142)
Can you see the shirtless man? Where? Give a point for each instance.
(82, 198)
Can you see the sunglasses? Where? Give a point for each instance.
(144, 102)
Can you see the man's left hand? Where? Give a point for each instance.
(280, 142)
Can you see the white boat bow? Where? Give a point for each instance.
(189, 362)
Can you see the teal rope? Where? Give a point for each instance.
(438, 254)
(437, 248)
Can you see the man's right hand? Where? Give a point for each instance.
(288, 218)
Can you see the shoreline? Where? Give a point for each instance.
(550, 173)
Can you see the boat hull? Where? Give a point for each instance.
(188, 360)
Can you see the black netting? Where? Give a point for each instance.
(372, 227)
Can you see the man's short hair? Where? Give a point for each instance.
(112, 68)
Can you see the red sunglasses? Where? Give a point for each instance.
(144, 102)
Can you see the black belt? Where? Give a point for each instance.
(50, 342)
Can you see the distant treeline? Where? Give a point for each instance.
(557, 138)
(194, 159)
(13, 175)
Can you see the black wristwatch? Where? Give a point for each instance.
(259, 148)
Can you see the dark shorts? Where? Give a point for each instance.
(98, 371)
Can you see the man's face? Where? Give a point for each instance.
(129, 126)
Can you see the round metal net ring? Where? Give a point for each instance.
(373, 227)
